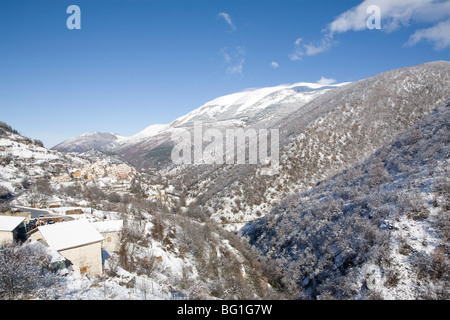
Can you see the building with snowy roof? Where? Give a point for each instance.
(78, 241)
(9, 228)
(110, 230)
(53, 202)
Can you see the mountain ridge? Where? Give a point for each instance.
(233, 109)
(323, 137)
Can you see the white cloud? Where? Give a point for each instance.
(299, 52)
(233, 60)
(436, 12)
(310, 49)
(226, 56)
(325, 81)
(274, 64)
(228, 20)
(313, 49)
(236, 69)
(395, 14)
(438, 34)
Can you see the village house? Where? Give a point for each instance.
(77, 241)
(110, 230)
(10, 227)
(75, 174)
(61, 179)
(17, 213)
(122, 176)
(53, 202)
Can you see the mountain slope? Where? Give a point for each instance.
(22, 161)
(336, 129)
(252, 106)
(31, 173)
(87, 141)
(379, 229)
(181, 255)
(322, 131)
(256, 108)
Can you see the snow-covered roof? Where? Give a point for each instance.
(8, 223)
(70, 234)
(54, 255)
(53, 199)
(108, 226)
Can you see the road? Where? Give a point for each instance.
(41, 212)
(35, 212)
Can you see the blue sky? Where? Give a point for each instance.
(135, 63)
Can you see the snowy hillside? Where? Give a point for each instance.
(23, 161)
(333, 131)
(377, 230)
(88, 141)
(264, 104)
(322, 131)
(167, 248)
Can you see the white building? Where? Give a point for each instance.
(53, 202)
(9, 227)
(78, 241)
(110, 230)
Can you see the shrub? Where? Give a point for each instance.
(392, 278)
(4, 193)
(24, 271)
(39, 143)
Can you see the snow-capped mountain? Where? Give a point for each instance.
(256, 108)
(87, 141)
(321, 138)
(292, 108)
(255, 105)
(357, 210)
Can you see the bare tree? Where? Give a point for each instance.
(24, 270)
